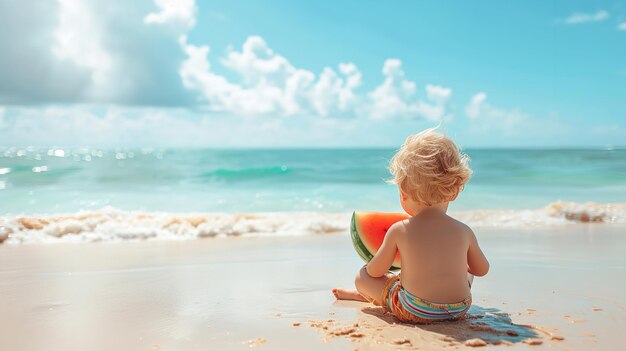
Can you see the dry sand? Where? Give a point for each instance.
(274, 294)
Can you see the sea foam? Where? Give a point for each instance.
(110, 224)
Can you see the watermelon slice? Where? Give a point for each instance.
(368, 230)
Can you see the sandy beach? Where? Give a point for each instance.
(183, 175)
(546, 284)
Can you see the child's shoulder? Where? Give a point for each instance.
(458, 223)
(398, 229)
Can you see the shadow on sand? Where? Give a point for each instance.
(489, 324)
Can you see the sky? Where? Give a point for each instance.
(239, 74)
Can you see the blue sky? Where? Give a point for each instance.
(311, 73)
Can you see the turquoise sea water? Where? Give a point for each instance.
(34, 180)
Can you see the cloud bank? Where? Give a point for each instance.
(107, 53)
(87, 72)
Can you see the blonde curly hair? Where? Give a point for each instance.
(430, 168)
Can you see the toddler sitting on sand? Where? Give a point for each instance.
(439, 255)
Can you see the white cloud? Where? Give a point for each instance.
(270, 84)
(90, 51)
(484, 116)
(30, 72)
(473, 109)
(621, 26)
(334, 93)
(390, 98)
(77, 39)
(580, 17)
(288, 90)
(438, 94)
(396, 96)
(171, 11)
(256, 62)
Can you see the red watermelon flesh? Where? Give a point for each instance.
(368, 230)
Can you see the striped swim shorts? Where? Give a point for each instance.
(412, 309)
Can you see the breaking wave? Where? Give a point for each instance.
(110, 224)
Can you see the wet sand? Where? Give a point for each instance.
(545, 284)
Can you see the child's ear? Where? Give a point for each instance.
(456, 194)
(403, 196)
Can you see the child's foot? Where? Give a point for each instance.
(345, 294)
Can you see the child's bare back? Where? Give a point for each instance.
(439, 255)
(434, 249)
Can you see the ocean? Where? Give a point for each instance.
(51, 181)
(61, 180)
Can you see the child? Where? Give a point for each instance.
(439, 254)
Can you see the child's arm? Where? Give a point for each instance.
(383, 259)
(476, 260)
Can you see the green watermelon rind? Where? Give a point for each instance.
(359, 246)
